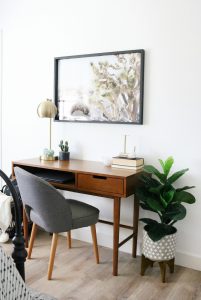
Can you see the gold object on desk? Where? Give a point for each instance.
(46, 157)
(47, 109)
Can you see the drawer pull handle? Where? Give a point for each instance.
(99, 177)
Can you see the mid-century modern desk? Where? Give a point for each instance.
(90, 177)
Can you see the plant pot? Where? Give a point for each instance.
(64, 155)
(164, 249)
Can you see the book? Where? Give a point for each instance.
(133, 162)
(135, 168)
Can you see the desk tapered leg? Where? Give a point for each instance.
(25, 228)
(117, 203)
(135, 224)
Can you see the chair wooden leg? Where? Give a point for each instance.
(52, 255)
(32, 238)
(69, 239)
(95, 245)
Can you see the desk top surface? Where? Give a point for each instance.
(77, 166)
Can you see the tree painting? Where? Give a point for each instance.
(107, 87)
(116, 93)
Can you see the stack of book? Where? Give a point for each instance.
(128, 163)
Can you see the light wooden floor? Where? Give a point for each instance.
(76, 276)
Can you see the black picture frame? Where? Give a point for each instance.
(100, 87)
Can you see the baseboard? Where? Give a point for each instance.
(188, 260)
(105, 238)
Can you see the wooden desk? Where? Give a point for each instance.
(94, 178)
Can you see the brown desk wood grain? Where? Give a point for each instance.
(93, 178)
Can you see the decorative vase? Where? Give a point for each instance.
(161, 250)
(64, 155)
(48, 154)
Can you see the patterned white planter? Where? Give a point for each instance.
(164, 249)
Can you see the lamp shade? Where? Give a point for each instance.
(47, 109)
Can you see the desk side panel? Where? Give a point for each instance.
(131, 183)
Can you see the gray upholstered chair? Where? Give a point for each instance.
(48, 209)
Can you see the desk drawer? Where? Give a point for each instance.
(100, 183)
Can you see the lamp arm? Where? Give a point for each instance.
(50, 133)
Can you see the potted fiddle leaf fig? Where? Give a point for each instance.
(64, 154)
(158, 195)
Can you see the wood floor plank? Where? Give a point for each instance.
(76, 276)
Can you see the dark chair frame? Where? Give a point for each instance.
(19, 253)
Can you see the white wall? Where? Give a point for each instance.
(1, 93)
(169, 31)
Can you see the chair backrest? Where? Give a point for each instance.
(44, 205)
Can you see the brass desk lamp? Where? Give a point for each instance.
(47, 109)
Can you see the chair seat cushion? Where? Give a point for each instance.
(83, 214)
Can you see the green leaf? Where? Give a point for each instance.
(168, 165)
(176, 176)
(156, 190)
(184, 197)
(154, 204)
(175, 211)
(146, 207)
(168, 196)
(164, 203)
(153, 170)
(185, 188)
(157, 231)
(149, 181)
(162, 164)
(142, 194)
(148, 221)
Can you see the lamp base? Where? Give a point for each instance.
(50, 158)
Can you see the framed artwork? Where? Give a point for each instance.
(102, 87)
